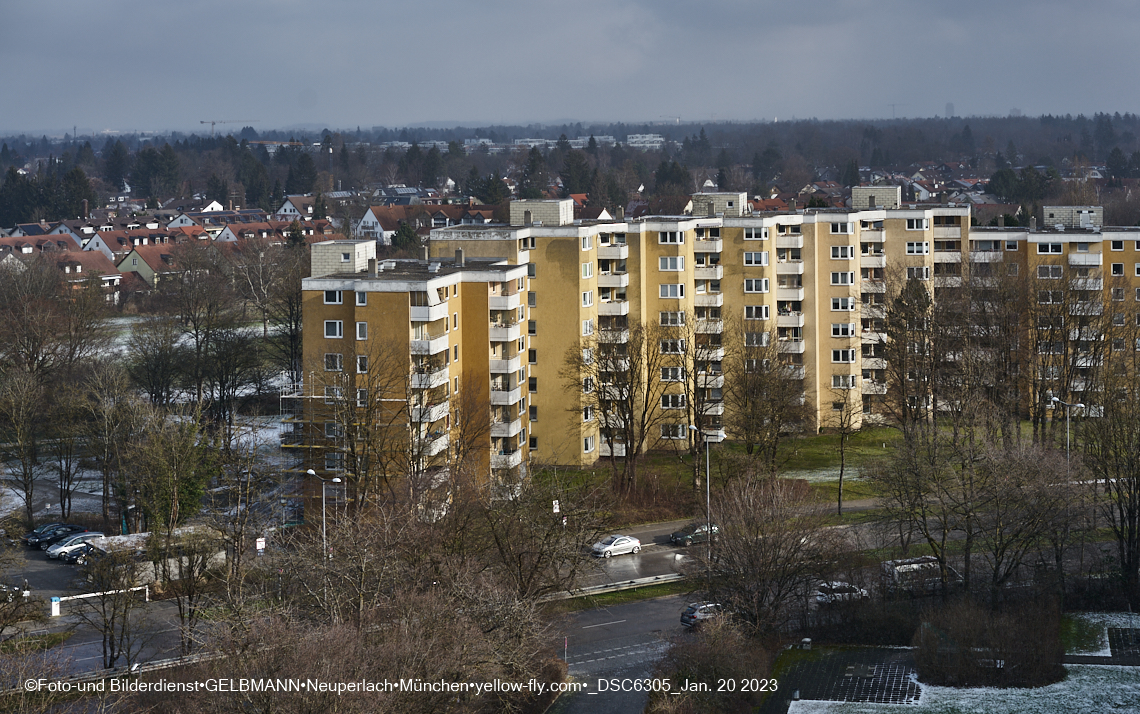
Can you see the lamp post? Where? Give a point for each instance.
(708, 501)
(324, 529)
(1068, 413)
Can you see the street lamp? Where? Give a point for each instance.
(324, 529)
(708, 499)
(1068, 412)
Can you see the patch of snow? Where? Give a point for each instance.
(1105, 620)
(831, 473)
(1089, 689)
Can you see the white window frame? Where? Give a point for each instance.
(671, 263)
(838, 303)
(756, 259)
(843, 329)
(843, 278)
(756, 233)
(756, 312)
(362, 364)
(672, 401)
(1050, 272)
(844, 381)
(673, 431)
(588, 444)
(337, 362)
(671, 291)
(672, 347)
(843, 356)
(362, 331)
(916, 224)
(587, 327)
(757, 339)
(756, 285)
(337, 331)
(361, 298)
(587, 243)
(587, 298)
(337, 297)
(843, 228)
(672, 319)
(918, 272)
(672, 374)
(587, 271)
(1049, 248)
(671, 237)
(842, 252)
(917, 247)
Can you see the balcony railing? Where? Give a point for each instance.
(790, 267)
(709, 300)
(708, 272)
(423, 313)
(506, 459)
(429, 380)
(613, 280)
(790, 319)
(506, 428)
(429, 346)
(506, 366)
(709, 327)
(501, 396)
(613, 307)
(613, 252)
(503, 302)
(504, 332)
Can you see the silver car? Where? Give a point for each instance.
(837, 592)
(67, 545)
(616, 545)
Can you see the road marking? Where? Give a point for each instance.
(602, 624)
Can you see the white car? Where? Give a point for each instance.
(616, 545)
(836, 592)
(66, 546)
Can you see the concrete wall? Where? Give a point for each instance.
(548, 212)
(341, 256)
(728, 205)
(884, 197)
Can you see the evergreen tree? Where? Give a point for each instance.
(295, 237)
(320, 209)
(405, 238)
(535, 176)
(116, 165)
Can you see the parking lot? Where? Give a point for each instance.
(47, 578)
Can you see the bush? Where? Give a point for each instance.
(967, 645)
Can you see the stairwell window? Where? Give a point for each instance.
(333, 297)
(334, 362)
(334, 329)
(671, 291)
(755, 312)
(756, 285)
(759, 259)
(843, 278)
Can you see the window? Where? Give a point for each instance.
(843, 329)
(334, 362)
(587, 327)
(674, 237)
(1054, 297)
(842, 304)
(845, 228)
(361, 397)
(673, 431)
(532, 356)
(1082, 247)
(588, 444)
(756, 285)
(672, 347)
(588, 298)
(587, 385)
(1049, 272)
(672, 374)
(846, 278)
(671, 262)
(919, 273)
(532, 327)
(346, 257)
(1011, 245)
(532, 384)
(672, 290)
(788, 229)
(332, 394)
(670, 319)
(1117, 269)
(843, 356)
(756, 339)
(531, 299)
(456, 357)
(1118, 294)
(587, 242)
(755, 234)
(587, 270)
(757, 259)
(1118, 319)
(362, 364)
(587, 413)
(334, 461)
(362, 330)
(1117, 245)
(842, 252)
(672, 401)
(334, 329)
(533, 442)
(755, 312)
(917, 248)
(916, 224)
(843, 381)
(361, 299)
(332, 297)
(1045, 248)
(1012, 269)
(455, 320)
(532, 412)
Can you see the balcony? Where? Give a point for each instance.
(792, 240)
(986, 256)
(1088, 259)
(429, 346)
(709, 300)
(710, 381)
(427, 314)
(871, 235)
(1087, 284)
(872, 337)
(790, 346)
(613, 280)
(429, 380)
(790, 319)
(709, 327)
(618, 449)
(870, 387)
(433, 443)
(947, 232)
(506, 459)
(713, 409)
(872, 286)
(504, 302)
(947, 256)
(1086, 308)
(504, 332)
(946, 281)
(506, 428)
(870, 310)
(613, 252)
(1079, 385)
(613, 337)
(429, 414)
(613, 307)
(708, 353)
(1086, 361)
(708, 246)
(789, 293)
(708, 272)
(501, 397)
(790, 267)
(874, 363)
(506, 366)
(794, 371)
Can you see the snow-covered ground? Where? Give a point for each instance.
(1089, 689)
(1103, 621)
(830, 473)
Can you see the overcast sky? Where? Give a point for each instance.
(156, 65)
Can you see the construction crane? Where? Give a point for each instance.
(212, 122)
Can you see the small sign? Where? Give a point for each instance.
(261, 544)
(557, 508)
(563, 521)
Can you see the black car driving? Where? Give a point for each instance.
(694, 533)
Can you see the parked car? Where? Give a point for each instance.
(616, 545)
(67, 545)
(698, 612)
(916, 577)
(694, 533)
(52, 535)
(39, 531)
(78, 556)
(837, 592)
